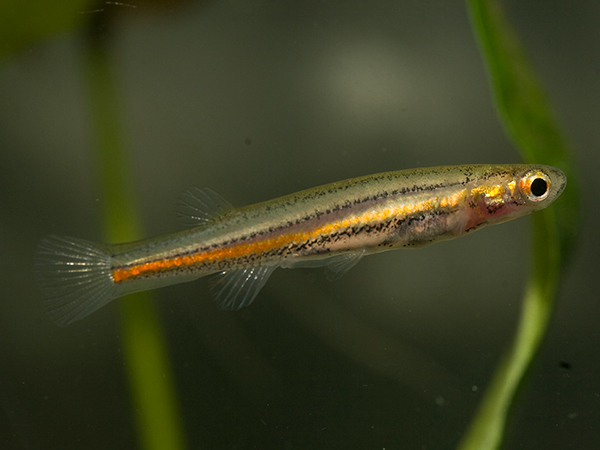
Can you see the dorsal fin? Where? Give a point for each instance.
(197, 206)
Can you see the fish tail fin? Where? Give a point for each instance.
(74, 276)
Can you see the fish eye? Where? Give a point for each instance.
(536, 185)
(539, 187)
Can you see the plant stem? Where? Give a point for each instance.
(144, 349)
(528, 120)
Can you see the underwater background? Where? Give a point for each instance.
(257, 99)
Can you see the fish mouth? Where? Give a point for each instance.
(559, 178)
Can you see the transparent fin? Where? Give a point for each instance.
(300, 263)
(234, 289)
(197, 206)
(74, 276)
(338, 265)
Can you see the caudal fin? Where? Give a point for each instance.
(74, 276)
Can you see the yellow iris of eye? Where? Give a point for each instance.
(536, 186)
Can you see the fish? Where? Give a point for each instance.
(332, 226)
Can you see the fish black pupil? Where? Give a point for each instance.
(539, 187)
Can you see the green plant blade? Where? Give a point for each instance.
(524, 110)
(23, 22)
(144, 349)
(530, 123)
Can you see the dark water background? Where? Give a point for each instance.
(258, 99)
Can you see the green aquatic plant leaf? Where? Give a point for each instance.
(530, 123)
(23, 22)
(525, 111)
(144, 348)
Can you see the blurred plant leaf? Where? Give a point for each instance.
(526, 114)
(145, 350)
(529, 121)
(22, 22)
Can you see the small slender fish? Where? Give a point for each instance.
(333, 225)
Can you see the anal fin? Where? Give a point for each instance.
(339, 265)
(234, 289)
